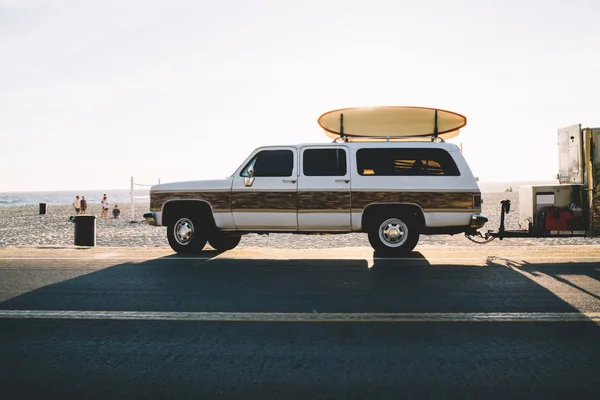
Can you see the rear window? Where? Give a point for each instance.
(405, 162)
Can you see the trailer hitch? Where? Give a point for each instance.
(474, 236)
(491, 235)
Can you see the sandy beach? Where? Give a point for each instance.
(24, 226)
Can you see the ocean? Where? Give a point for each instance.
(68, 196)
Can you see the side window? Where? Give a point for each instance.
(405, 161)
(324, 162)
(270, 163)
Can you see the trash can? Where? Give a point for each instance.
(42, 208)
(85, 230)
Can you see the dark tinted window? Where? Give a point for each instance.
(271, 163)
(405, 161)
(324, 162)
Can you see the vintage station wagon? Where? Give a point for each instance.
(392, 187)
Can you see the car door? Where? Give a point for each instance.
(324, 189)
(264, 194)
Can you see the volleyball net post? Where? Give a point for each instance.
(132, 201)
(133, 196)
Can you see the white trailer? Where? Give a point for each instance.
(569, 208)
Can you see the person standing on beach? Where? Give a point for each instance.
(83, 205)
(104, 204)
(77, 205)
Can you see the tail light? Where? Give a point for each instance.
(477, 200)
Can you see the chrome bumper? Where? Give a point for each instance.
(153, 218)
(477, 221)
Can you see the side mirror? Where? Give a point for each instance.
(251, 172)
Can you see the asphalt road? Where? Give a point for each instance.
(444, 323)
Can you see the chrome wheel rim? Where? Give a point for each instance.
(183, 231)
(393, 232)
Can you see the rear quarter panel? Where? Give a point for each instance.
(445, 200)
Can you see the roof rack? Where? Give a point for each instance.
(416, 138)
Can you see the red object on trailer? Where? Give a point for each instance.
(551, 219)
(558, 219)
(565, 220)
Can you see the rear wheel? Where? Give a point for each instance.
(186, 235)
(222, 241)
(394, 236)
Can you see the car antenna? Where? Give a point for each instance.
(342, 125)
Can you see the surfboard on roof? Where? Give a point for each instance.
(391, 122)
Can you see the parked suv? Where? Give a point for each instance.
(393, 191)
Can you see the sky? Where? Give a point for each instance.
(95, 92)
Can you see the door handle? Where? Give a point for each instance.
(343, 180)
(289, 180)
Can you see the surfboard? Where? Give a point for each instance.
(393, 122)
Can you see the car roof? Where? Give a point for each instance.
(374, 144)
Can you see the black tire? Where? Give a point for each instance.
(222, 241)
(394, 236)
(186, 234)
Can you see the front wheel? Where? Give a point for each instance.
(185, 235)
(394, 236)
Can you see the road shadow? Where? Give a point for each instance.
(378, 285)
(75, 358)
(577, 276)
